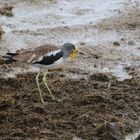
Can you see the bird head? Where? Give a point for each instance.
(69, 50)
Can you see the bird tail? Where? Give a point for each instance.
(8, 58)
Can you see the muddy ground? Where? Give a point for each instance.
(86, 106)
(97, 96)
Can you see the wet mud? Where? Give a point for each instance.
(86, 108)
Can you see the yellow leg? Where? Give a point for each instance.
(37, 82)
(45, 82)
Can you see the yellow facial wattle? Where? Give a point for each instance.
(73, 55)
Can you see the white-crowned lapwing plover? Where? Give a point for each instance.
(45, 57)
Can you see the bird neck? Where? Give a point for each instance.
(65, 53)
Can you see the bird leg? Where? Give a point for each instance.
(45, 82)
(37, 82)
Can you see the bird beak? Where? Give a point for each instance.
(73, 55)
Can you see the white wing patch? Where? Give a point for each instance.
(52, 53)
(31, 58)
(59, 61)
(38, 59)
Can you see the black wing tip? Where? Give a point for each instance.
(11, 54)
(8, 58)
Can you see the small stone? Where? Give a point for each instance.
(82, 43)
(123, 39)
(111, 131)
(116, 43)
(131, 42)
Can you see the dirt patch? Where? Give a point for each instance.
(83, 109)
(6, 10)
(130, 20)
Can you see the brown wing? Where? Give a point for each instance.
(32, 55)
